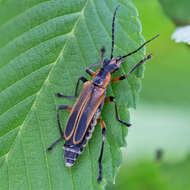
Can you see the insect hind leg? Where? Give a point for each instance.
(103, 126)
(53, 144)
(61, 107)
(112, 99)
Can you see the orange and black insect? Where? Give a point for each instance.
(86, 111)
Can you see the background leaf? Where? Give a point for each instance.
(153, 174)
(44, 47)
(178, 11)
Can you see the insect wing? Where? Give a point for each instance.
(87, 114)
(75, 112)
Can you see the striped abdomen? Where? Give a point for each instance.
(73, 150)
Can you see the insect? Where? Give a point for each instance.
(85, 113)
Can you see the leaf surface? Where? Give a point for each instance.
(44, 48)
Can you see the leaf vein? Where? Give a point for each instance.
(17, 103)
(6, 160)
(20, 13)
(38, 25)
(16, 81)
(49, 74)
(13, 140)
(36, 45)
(26, 168)
(45, 155)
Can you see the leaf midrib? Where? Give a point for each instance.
(39, 92)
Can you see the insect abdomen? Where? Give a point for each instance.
(71, 150)
(70, 154)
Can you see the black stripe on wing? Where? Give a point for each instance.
(82, 125)
(70, 124)
(72, 121)
(88, 113)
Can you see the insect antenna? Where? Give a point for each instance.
(133, 52)
(113, 28)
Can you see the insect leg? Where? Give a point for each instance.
(112, 99)
(61, 107)
(103, 126)
(60, 95)
(92, 73)
(137, 65)
(53, 144)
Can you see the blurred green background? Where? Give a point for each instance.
(161, 121)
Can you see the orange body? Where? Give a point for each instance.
(83, 111)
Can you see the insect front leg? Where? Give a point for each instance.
(103, 126)
(112, 99)
(60, 95)
(92, 73)
(61, 107)
(116, 79)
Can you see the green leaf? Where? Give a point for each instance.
(140, 175)
(178, 11)
(44, 48)
(178, 171)
(155, 174)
